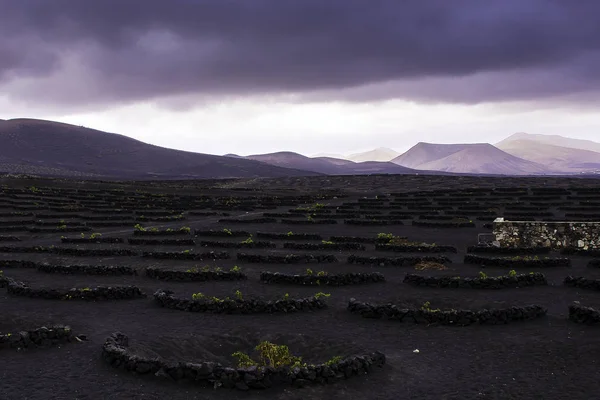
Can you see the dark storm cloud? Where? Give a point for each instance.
(436, 50)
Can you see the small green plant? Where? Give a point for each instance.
(236, 269)
(186, 251)
(248, 240)
(321, 273)
(228, 232)
(321, 294)
(334, 360)
(82, 235)
(290, 233)
(206, 268)
(385, 237)
(95, 235)
(512, 273)
(286, 296)
(327, 242)
(482, 275)
(185, 229)
(309, 271)
(239, 295)
(198, 296)
(139, 228)
(243, 360)
(62, 227)
(427, 307)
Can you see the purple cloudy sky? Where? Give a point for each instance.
(265, 75)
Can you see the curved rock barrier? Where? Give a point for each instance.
(309, 221)
(324, 246)
(43, 337)
(415, 248)
(499, 282)
(287, 259)
(361, 239)
(18, 264)
(581, 252)
(90, 240)
(497, 316)
(166, 299)
(109, 270)
(353, 278)
(187, 255)
(594, 263)
(161, 232)
(222, 233)
(397, 261)
(238, 245)
(517, 262)
(70, 251)
(584, 315)
(508, 250)
(159, 242)
(93, 294)
(289, 236)
(582, 283)
(194, 275)
(209, 374)
(248, 220)
(9, 239)
(373, 222)
(60, 230)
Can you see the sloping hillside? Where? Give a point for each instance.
(480, 158)
(329, 166)
(556, 158)
(381, 154)
(51, 146)
(554, 140)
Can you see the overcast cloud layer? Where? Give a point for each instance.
(70, 54)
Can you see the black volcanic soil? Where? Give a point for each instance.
(550, 358)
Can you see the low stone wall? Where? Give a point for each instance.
(584, 315)
(193, 276)
(308, 221)
(397, 261)
(517, 262)
(582, 283)
(209, 374)
(287, 259)
(168, 255)
(289, 236)
(330, 280)
(69, 251)
(415, 248)
(41, 337)
(238, 245)
(9, 239)
(499, 282)
(161, 232)
(508, 250)
(453, 317)
(93, 294)
(556, 235)
(109, 270)
(161, 242)
(222, 233)
(166, 299)
(324, 246)
(90, 240)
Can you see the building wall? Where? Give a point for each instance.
(584, 235)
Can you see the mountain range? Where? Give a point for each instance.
(40, 147)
